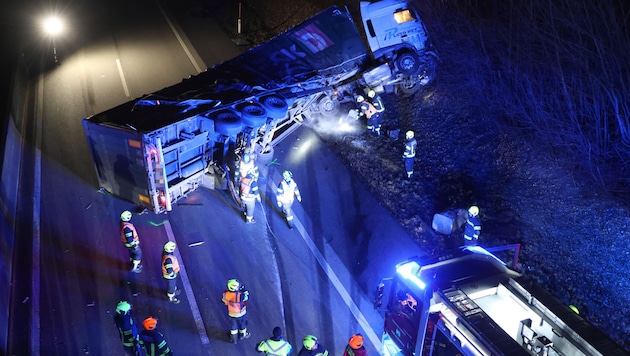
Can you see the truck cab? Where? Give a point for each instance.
(395, 32)
(469, 302)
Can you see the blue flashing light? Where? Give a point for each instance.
(408, 271)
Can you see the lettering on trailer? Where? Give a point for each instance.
(392, 33)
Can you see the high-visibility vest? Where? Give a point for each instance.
(275, 348)
(287, 191)
(235, 302)
(165, 266)
(368, 109)
(249, 188)
(127, 225)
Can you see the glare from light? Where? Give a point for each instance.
(53, 26)
(408, 271)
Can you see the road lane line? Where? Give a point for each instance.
(332, 276)
(194, 308)
(180, 40)
(37, 187)
(122, 77)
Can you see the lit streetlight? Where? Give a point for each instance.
(53, 27)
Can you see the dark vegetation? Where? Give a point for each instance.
(529, 118)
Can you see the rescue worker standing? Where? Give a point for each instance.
(247, 165)
(409, 156)
(129, 237)
(472, 228)
(235, 298)
(127, 329)
(369, 111)
(275, 345)
(285, 194)
(376, 100)
(170, 269)
(249, 196)
(152, 341)
(355, 346)
(311, 347)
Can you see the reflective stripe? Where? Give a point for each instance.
(236, 306)
(174, 266)
(123, 237)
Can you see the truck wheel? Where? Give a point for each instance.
(328, 107)
(227, 122)
(275, 105)
(408, 63)
(409, 86)
(253, 115)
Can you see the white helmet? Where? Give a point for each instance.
(371, 93)
(409, 134)
(169, 246)
(473, 210)
(360, 98)
(126, 215)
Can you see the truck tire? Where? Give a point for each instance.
(253, 115)
(328, 107)
(227, 122)
(408, 63)
(275, 105)
(409, 86)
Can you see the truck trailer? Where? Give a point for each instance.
(469, 302)
(156, 149)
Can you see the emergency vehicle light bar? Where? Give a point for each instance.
(409, 271)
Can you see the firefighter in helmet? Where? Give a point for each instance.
(472, 228)
(247, 165)
(373, 117)
(312, 347)
(285, 194)
(153, 341)
(235, 298)
(170, 270)
(355, 346)
(409, 155)
(129, 237)
(249, 196)
(127, 329)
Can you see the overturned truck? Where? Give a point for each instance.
(154, 150)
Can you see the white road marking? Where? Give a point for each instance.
(180, 40)
(37, 187)
(122, 77)
(194, 308)
(332, 276)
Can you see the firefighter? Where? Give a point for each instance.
(129, 237)
(235, 298)
(153, 341)
(409, 156)
(355, 346)
(170, 269)
(311, 347)
(275, 345)
(249, 196)
(127, 329)
(247, 165)
(285, 194)
(472, 228)
(373, 117)
(376, 100)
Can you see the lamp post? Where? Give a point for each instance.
(53, 27)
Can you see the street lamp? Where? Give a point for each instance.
(53, 27)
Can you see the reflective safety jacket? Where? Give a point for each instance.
(154, 344)
(367, 109)
(249, 188)
(170, 265)
(410, 148)
(128, 234)
(235, 302)
(378, 104)
(127, 329)
(355, 352)
(472, 228)
(275, 348)
(287, 191)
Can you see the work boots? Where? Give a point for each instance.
(234, 338)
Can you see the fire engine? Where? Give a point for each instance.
(469, 302)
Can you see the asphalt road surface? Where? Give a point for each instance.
(314, 279)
